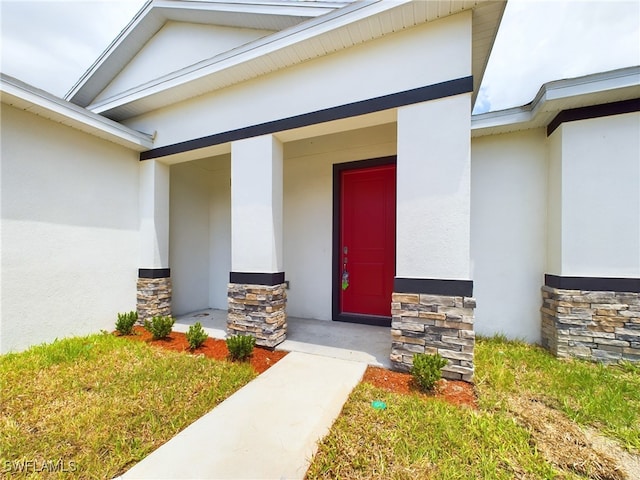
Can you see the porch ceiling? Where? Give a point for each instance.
(342, 125)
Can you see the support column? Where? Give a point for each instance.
(257, 295)
(432, 307)
(154, 279)
(591, 292)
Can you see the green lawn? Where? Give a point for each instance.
(594, 394)
(525, 426)
(96, 405)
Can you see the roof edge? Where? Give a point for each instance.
(21, 95)
(483, 68)
(550, 94)
(75, 89)
(241, 54)
(309, 9)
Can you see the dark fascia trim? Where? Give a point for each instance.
(594, 111)
(154, 273)
(594, 284)
(434, 286)
(376, 104)
(257, 278)
(338, 168)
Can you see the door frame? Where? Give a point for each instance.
(337, 316)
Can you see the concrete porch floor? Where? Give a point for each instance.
(346, 341)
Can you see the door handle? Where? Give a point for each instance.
(345, 272)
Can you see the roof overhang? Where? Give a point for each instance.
(554, 97)
(20, 95)
(332, 30)
(259, 14)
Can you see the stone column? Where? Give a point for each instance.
(590, 305)
(256, 292)
(433, 306)
(154, 278)
(592, 325)
(428, 323)
(258, 310)
(154, 294)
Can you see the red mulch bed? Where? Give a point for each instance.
(261, 359)
(454, 392)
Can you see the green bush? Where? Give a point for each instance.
(196, 335)
(125, 322)
(240, 346)
(426, 370)
(160, 327)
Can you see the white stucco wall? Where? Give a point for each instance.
(424, 55)
(175, 46)
(308, 203)
(256, 205)
(189, 238)
(433, 199)
(599, 233)
(508, 222)
(70, 242)
(154, 214)
(200, 235)
(554, 205)
(219, 231)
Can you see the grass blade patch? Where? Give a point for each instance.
(104, 402)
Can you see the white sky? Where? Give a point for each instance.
(50, 43)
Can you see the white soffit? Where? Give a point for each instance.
(22, 96)
(487, 16)
(554, 97)
(353, 23)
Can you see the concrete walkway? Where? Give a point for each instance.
(349, 341)
(267, 430)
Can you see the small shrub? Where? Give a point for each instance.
(240, 346)
(196, 336)
(426, 370)
(125, 322)
(160, 327)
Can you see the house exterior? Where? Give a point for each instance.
(320, 160)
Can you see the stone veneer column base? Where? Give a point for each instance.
(432, 324)
(154, 298)
(258, 310)
(602, 326)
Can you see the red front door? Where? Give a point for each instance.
(367, 242)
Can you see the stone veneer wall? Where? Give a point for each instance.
(432, 324)
(603, 326)
(154, 298)
(258, 310)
